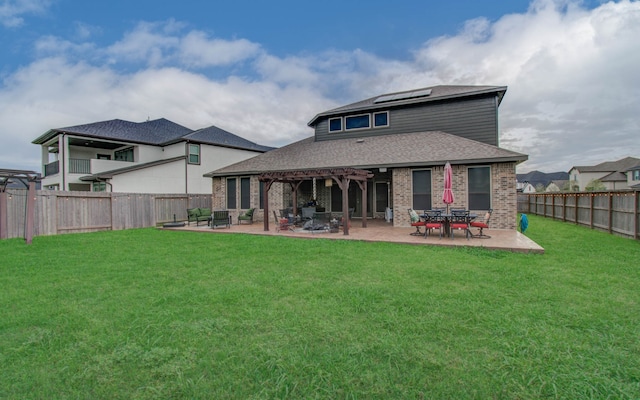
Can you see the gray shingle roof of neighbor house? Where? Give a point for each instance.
(414, 96)
(220, 137)
(153, 132)
(109, 174)
(610, 166)
(156, 132)
(401, 150)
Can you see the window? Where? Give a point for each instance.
(422, 189)
(335, 124)
(245, 193)
(636, 175)
(99, 186)
(479, 188)
(357, 122)
(381, 119)
(124, 154)
(194, 153)
(231, 193)
(104, 156)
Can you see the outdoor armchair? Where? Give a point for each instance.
(415, 221)
(247, 216)
(484, 224)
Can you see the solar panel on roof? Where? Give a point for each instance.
(403, 96)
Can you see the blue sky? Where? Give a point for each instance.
(262, 70)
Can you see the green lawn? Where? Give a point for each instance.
(164, 314)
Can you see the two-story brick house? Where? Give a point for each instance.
(397, 144)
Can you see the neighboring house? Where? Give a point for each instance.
(525, 187)
(633, 177)
(156, 156)
(612, 174)
(390, 152)
(542, 179)
(557, 186)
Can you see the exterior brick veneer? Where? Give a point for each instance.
(503, 194)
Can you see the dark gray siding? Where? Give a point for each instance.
(475, 119)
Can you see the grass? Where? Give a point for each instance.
(143, 314)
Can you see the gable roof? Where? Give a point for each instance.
(135, 167)
(611, 166)
(401, 150)
(159, 132)
(220, 137)
(435, 93)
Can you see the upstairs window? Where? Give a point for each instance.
(335, 124)
(380, 119)
(124, 154)
(194, 153)
(636, 175)
(357, 122)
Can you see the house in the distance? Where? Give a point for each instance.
(156, 156)
(383, 155)
(614, 175)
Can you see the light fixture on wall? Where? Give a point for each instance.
(328, 182)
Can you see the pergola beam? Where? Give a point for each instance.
(342, 176)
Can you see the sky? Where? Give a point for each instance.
(263, 70)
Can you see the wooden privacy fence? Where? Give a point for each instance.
(614, 212)
(59, 212)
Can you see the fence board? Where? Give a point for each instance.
(615, 212)
(69, 212)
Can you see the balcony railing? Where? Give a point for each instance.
(78, 166)
(52, 168)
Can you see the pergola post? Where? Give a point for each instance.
(363, 189)
(267, 186)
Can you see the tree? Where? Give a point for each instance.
(594, 184)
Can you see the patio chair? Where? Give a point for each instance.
(484, 224)
(282, 223)
(433, 220)
(459, 221)
(415, 221)
(247, 216)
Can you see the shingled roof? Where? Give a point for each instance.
(623, 164)
(436, 93)
(220, 137)
(401, 150)
(159, 132)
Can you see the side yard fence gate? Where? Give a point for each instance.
(615, 212)
(59, 212)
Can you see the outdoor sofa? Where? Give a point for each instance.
(198, 215)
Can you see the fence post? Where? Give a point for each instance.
(4, 226)
(635, 215)
(31, 211)
(610, 212)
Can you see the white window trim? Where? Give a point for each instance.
(189, 153)
(341, 125)
(354, 116)
(374, 119)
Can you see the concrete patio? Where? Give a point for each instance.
(378, 230)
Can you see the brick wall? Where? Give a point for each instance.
(503, 193)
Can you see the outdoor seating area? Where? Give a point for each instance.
(198, 214)
(378, 230)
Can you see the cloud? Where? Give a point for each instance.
(12, 11)
(571, 75)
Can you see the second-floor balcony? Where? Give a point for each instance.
(84, 166)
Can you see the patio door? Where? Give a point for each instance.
(382, 196)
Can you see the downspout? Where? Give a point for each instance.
(62, 161)
(186, 168)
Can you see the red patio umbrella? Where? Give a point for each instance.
(447, 195)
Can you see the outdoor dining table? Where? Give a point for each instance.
(446, 220)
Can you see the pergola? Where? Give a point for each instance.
(28, 179)
(342, 176)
